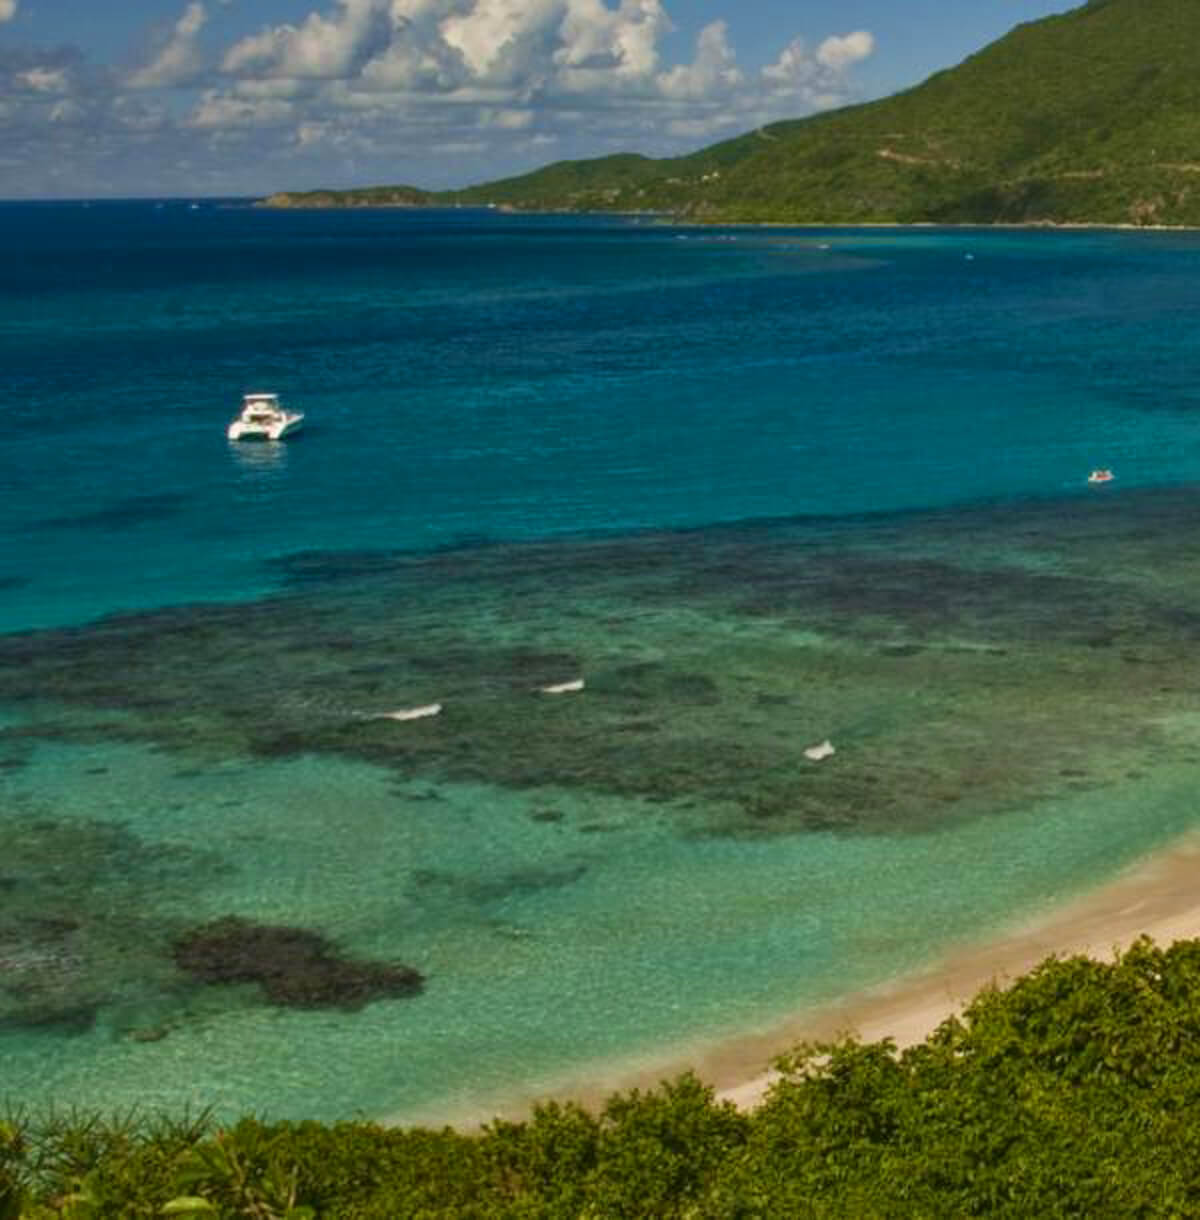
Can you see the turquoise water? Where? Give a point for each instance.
(755, 488)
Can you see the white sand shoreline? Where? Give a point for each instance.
(1158, 897)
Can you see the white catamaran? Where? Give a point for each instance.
(263, 419)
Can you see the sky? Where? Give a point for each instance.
(245, 97)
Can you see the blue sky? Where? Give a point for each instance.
(210, 97)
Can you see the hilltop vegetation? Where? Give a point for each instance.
(1076, 1092)
(364, 197)
(1089, 116)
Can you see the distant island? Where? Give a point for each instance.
(1088, 117)
(364, 197)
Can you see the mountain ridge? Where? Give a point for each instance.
(1091, 116)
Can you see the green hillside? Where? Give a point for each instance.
(1090, 116)
(363, 197)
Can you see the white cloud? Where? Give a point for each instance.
(385, 54)
(602, 46)
(323, 47)
(417, 58)
(838, 53)
(276, 86)
(506, 120)
(8, 10)
(501, 38)
(408, 68)
(818, 78)
(460, 148)
(179, 61)
(793, 67)
(215, 110)
(136, 114)
(312, 134)
(326, 138)
(713, 127)
(44, 80)
(713, 72)
(386, 90)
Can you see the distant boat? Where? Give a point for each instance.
(263, 419)
(562, 688)
(410, 713)
(1100, 476)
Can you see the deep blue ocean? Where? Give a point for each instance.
(755, 487)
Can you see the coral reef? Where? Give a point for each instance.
(126, 513)
(961, 662)
(296, 968)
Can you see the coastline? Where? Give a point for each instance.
(281, 201)
(1158, 896)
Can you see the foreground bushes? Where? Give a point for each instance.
(1074, 1092)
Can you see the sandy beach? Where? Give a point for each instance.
(1158, 897)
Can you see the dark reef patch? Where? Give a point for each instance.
(496, 670)
(484, 890)
(550, 816)
(122, 514)
(657, 683)
(301, 569)
(295, 968)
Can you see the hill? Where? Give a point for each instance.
(1089, 116)
(364, 197)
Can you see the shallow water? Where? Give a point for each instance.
(754, 494)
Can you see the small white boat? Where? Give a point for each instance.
(562, 688)
(1101, 476)
(263, 419)
(410, 713)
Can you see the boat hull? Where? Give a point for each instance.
(242, 431)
